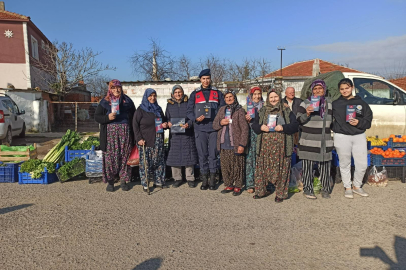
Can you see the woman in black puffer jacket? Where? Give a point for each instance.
(182, 147)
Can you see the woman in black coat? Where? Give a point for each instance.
(114, 114)
(182, 147)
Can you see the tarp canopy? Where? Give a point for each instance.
(331, 79)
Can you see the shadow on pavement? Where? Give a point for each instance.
(378, 253)
(151, 264)
(14, 208)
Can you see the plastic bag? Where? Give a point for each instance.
(316, 185)
(378, 179)
(296, 184)
(134, 159)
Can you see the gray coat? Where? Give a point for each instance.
(315, 142)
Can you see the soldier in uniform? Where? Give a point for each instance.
(203, 105)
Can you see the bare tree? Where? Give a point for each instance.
(396, 71)
(98, 85)
(62, 67)
(248, 73)
(217, 66)
(185, 68)
(155, 64)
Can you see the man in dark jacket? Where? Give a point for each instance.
(294, 104)
(292, 101)
(208, 99)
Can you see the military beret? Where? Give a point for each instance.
(205, 72)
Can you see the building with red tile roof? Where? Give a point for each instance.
(401, 82)
(309, 68)
(23, 46)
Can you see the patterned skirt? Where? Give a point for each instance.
(250, 161)
(272, 165)
(154, 161)
(118, 150)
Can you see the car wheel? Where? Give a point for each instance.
(22, 134)
(9, 137)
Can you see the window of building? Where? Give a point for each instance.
(34, 47)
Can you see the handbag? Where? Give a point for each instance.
(134, 159)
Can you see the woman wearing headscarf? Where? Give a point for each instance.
(114, 114)
(274, 148)
(315, 144)
(182, 147)
(255, 97)
(232, 139)
(145, 119)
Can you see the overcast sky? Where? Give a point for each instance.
(367, 35)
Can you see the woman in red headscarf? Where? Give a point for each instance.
(114, 114)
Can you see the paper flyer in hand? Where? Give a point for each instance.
(115, 107)
(228, 115)
(250, 108)
(158, 125)
(351, 113)
(272, 120)
(178, 125)
(202, 109)
(315, 103)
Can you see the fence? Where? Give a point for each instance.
(64, 116)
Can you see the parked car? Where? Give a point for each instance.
(386, 100)
(11, 123)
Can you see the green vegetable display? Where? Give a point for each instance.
(71, 169)
(56, 154)
(86, 144)
(36, 167)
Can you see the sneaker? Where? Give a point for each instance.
(177, 183)
(360, 192)
(348, 194)
(325, 195)
(309, 195)
(191, 184)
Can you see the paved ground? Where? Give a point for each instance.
(77, 225)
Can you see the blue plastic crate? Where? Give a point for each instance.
(72, 154)
(336, 162)
(9, 172)
(392, 144)
(379, 160)
(46, 177)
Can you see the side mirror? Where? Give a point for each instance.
(22, 112)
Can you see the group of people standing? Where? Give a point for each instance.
(255, 144)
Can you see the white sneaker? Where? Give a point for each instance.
(348, 194)
(360, 192)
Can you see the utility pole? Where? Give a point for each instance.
(281, 49)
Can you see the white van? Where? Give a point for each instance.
(387, 102)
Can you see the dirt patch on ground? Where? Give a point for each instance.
(76, 225)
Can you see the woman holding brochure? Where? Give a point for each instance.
(352, 116)
(182, 147)
(114, 114)
(316, 144)
(148, 124)
(275, 124)
(254, 104)
(232, 139)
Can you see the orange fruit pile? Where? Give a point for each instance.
(395, 139)
(390, 153)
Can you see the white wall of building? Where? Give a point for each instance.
(36, 109)
(14, 74)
